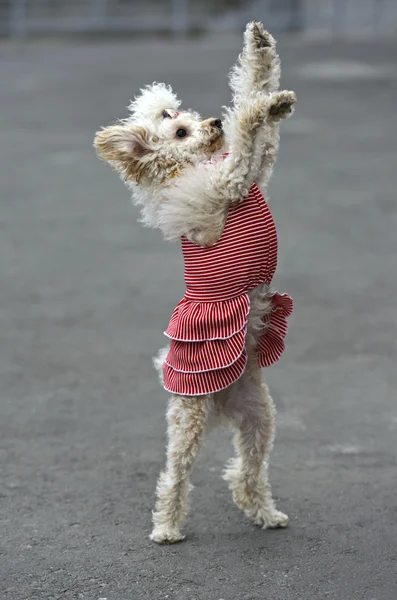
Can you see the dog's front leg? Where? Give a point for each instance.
(268, 139)
(258, 66)
(257, 73)
(187, 417)
(253, 129)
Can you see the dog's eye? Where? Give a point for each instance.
(181, 133)
(166, 115)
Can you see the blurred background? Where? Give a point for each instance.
(21, 17)
(85, 293)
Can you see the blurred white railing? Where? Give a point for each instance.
(19, 18)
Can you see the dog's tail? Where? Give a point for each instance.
(158, 362)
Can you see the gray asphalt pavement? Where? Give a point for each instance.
(86, 293)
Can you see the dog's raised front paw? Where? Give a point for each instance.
(260, 53)
(257, 37)
(262, 37)
(281, 105)
(166, 535)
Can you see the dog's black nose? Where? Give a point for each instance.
(217, 123)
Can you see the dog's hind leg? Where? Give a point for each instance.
(187, 417)
(247, 474)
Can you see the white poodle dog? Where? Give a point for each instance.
(201, 182)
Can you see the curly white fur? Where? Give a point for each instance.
(152, 101)
(170, 160)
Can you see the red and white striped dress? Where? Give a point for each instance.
(208, 327)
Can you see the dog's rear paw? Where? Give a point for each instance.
(281, 105)
(270, 519)
(166, 535)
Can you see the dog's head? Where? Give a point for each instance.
(158, 140)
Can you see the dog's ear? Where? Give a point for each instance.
(125, 146)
